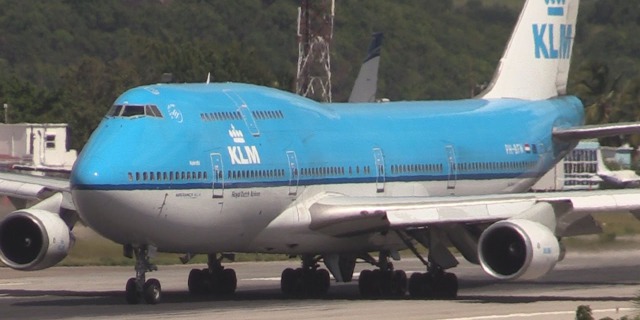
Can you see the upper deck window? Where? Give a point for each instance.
(134, 110)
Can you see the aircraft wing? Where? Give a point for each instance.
(341, 215)
(597, 131)
(31, 187)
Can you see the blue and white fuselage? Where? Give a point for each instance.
(222, 167)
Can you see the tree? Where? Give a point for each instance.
(584, 313)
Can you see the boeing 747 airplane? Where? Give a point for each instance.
(217, 168)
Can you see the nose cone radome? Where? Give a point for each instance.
(88, 171)
(93, 166)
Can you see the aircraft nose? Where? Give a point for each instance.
(87, 171)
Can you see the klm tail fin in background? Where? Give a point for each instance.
(535, 64)
(366, 85)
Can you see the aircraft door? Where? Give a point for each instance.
(244, 110)
(453, 170)
(294, 176)
(217, 170)
(380, 176)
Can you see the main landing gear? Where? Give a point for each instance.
(307, 281)
(384, 281)
(436, 283)
(137, 288)
(215, 279)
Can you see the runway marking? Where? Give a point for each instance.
(7, 284)
(263, 279)
(538, 314)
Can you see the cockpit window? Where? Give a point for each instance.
(130, 111)
(153, 111)
(134, 110)
(114, 111)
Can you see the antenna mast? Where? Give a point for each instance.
(315, 31)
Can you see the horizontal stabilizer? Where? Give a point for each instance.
(597, 131)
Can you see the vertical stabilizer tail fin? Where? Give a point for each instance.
(535, 64)
(366, 85)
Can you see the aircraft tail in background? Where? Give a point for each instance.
(366, 85)
(535, 64)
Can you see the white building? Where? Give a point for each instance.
(584, 169)
(38, 147)
(577, 171)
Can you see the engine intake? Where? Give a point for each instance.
(33, 239)
(518, 249)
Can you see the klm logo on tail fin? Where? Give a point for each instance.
(545, 34)
(555, 7)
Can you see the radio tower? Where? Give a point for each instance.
(315, 31)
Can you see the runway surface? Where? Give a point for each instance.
(606, 281)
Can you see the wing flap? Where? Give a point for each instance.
(472, 212)
(30, 187)
(340, 215)
(21, 190)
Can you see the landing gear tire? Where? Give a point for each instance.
(288, 281)
(378, 283)
(399, 283)
(131, 292)
(322, 281)
(450, 282)
(228, 281)
(364, 283)
(434, 285)
(195, 281)
(152, 291)
(304, 283)
(220, 281)
(137, 288)
(415, 285)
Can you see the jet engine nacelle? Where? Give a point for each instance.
(518, 249)
(33, 239)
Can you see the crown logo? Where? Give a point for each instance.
(555, 7)
(236, 135)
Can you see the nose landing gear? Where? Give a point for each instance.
(137, 288)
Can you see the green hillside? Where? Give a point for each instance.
(67, 60)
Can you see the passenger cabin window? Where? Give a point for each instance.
(134, 110)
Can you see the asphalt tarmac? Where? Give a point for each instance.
(607, 282)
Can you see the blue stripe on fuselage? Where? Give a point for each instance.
(303, 182)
